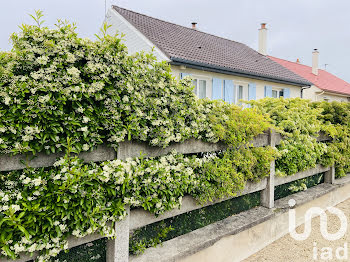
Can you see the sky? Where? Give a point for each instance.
(295, 27)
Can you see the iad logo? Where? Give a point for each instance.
(326, 253)
(312, 212)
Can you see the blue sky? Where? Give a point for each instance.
(296, 27)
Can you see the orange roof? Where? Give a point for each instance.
(324, 80)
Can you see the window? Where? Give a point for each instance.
(274, 93)
(240, 93)
(277, 93)
(200, 88)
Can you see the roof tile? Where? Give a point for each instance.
(324, 80)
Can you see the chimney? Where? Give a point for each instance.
(298, 61)
(194, 25)
(315, 62)
(262, 39)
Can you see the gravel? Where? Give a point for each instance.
(288, 249)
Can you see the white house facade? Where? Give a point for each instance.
(220, 68)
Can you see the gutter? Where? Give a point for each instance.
(236, 72)
(302, 89)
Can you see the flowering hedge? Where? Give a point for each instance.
(42, 207)
(59, 92)
(301, 121)
(300, 125)
(55, 85)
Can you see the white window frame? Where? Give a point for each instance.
(208, 85)
(245, 90)
(278, 90)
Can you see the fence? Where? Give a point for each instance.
(118, 249)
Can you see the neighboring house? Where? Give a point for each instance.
(221, 68)
(326, 86)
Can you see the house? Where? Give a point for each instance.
(220, 68)
(326, 86)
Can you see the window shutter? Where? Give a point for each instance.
(217, 88)
(182, 75)
(268, 91)
(229, 91)
(252, 91)
(286, 93)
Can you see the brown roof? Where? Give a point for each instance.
(190, 46)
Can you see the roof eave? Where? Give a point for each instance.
(335, 92)
(224, 70)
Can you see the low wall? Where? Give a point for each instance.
(240, 236)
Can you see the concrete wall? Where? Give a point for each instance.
(260, 84)
(244, 244)
(316, 94)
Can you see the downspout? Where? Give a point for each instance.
(302, 89)
(320, 94)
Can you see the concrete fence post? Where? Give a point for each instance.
(118, 249)
(329, 176)
(267, 196)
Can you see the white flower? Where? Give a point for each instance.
(62, 227)
(84, 129)
(15, 208)
(59, 162)
(7, 100)
(5, 198)
(96, 86)
(44, 99)
(56, 177)
(86, 147)
(85, 119)
(70, 58)
(26, 180)
(73, 71)
(32, 248)
(19, 196)
(37, 181)
(55, 239)
(76, 233)
(42, 60)
(18, 248)
(125, 99)
(27, 138)
(80, 110)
